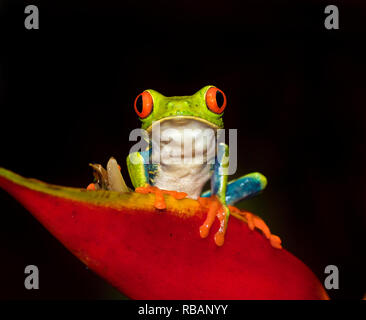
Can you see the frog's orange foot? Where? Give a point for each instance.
(159, 195)
(215, 209)
(256, 222)
(91, 186)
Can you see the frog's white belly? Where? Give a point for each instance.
(186, 153)
(188, 178)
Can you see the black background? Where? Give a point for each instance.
(296, 94)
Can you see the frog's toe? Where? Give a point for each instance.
(159, 198)
(256, 222)
(275, 241)
(159, 195)
(215, 209)
(91, 186)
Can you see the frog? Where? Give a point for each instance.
(159, 168)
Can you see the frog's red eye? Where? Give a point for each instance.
(215, 100)
(143, 104)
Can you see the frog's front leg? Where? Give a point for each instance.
(139, 171)
(243, 188)
(216, 202)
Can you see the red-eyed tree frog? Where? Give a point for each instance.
(178, 129)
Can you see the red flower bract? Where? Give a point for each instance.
(152, 254)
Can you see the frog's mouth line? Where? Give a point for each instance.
(178, 118)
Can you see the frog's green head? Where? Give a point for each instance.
(207, 106)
